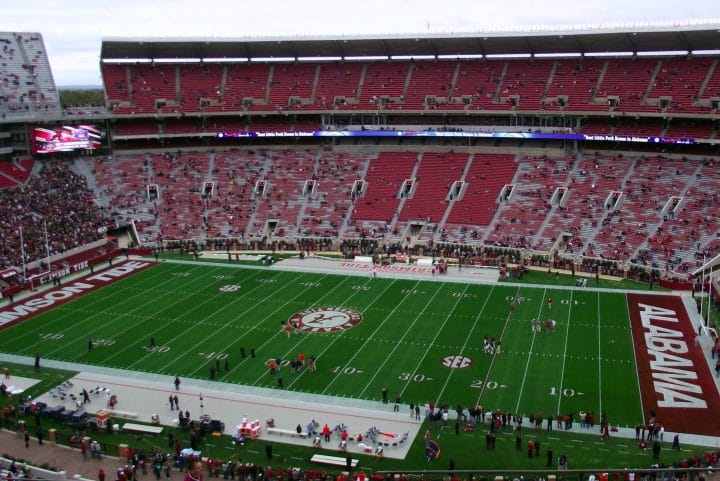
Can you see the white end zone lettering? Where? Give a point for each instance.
(54, 297)
(676, 381)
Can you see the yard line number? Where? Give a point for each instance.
(157, 348)
(213, 355)
(479, 383)
(567, 392)
(346, 370)
(406, 376)
(52, 336)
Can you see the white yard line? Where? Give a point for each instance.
(432, 343)
(599, 356)
(529, 356)
(145, 317)
(637, 374)
(317, 302)
(260, 322)
(101, 326)
(397, 344)
(492, 359)
(564, 357)
(462, 350)
(342, 333)
(369, 338)
(182, 333)
(60, 320)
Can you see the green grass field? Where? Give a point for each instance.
(408, 328)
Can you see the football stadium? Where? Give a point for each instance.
(438, 257)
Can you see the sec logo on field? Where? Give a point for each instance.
(325, 319)
(456, 362)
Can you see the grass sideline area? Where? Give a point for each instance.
(541, 276)
(534, 276)
(466, 449)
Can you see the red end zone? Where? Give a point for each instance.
(34, 305)
(675, 379)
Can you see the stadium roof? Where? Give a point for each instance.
(643, 37)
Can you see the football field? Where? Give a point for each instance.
(421, 340)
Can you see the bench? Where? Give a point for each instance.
(289, 432)
(142, 428)
(333, 460)
(122, 414)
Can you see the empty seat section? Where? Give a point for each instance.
(384, 178)
(434, 179)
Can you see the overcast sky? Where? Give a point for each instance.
(73, 30)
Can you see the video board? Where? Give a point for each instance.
(65, 139)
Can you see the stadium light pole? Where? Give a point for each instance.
(702, 285)
(22, 253)
(47, 245)
(707, 313)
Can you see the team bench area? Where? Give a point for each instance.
(289, 432)
(142, 428)
(333, 460)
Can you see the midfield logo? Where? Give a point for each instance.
(325, 319)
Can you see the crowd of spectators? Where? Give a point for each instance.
(56, 201)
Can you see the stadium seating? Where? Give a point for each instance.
(652, 85)
(116, 82)
(26, 82)
(435, 177)
(56, 198)
(384, 179)
(628, 80)
(151, 85)
(712, 87)
(235, 175)
(180, 176)
(291, 86)
(650, 210)
(137, 127)
(527, 82)
(15, 173)
(245, 85)
(521, 217)
(581, 211)
(328, 206)
(430, 84)
(576, 81)
(580, 205)
(200, 86)
(384, 85)
(652, 183)
(642, 128)
(338, 85)
(678, 81)
(690, 128)
(283, 198)
(654, 210)
(487, 175)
